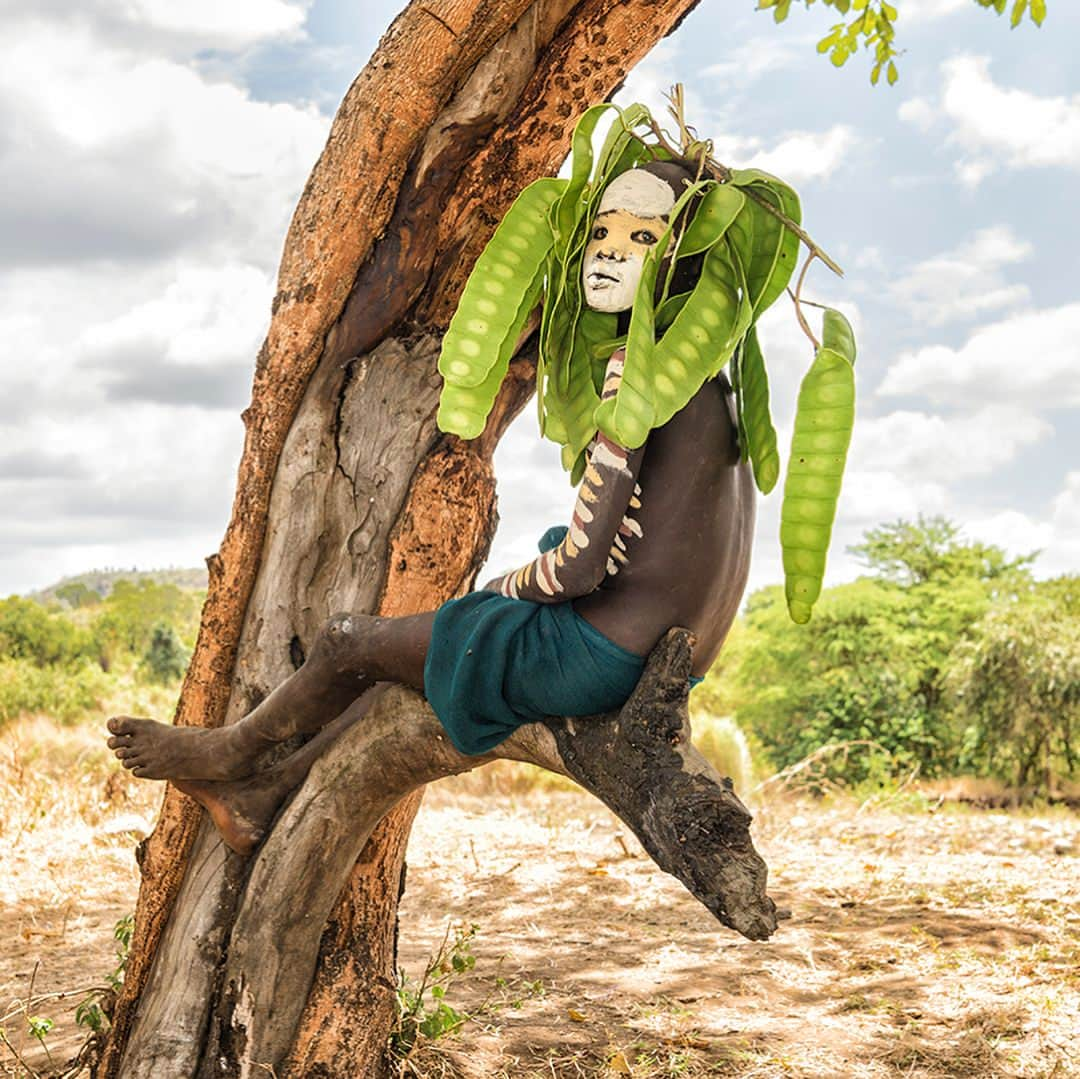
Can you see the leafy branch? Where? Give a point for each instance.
(873, 26)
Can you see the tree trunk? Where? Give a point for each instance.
(348, 498)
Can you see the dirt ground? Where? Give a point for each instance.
(923, 940)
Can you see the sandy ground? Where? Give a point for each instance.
(922, 943)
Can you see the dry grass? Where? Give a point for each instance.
(926, 941)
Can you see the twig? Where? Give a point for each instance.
(18, 1057)
(723, 174)
(795, 298)
(26, 1004)
(33, 1002)
(785, 775)
(803, 235)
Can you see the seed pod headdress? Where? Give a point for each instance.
(726, 247)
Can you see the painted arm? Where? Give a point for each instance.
(601, 526)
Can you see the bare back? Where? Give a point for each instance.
(690, 564)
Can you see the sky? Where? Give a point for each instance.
(152, 153)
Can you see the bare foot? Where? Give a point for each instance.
(242, 810)
(153, 750)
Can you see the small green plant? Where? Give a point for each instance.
(90, 1013)
(37, 1027)
(423, 1010)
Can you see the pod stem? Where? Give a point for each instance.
(796, 298)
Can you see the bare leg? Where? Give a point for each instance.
(350, 653)
(242, 810)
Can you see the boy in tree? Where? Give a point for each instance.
(660, 536)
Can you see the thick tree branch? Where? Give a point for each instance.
(638, 761)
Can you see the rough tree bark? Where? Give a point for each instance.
(348, 498)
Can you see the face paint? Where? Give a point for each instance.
(614, 257)
(629, 221)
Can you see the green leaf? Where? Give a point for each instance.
(717, 210)
(1038, 11)
(891, 73)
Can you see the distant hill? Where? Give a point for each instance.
(102, 581)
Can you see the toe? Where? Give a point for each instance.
(118, 741)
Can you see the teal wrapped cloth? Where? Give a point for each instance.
(495, 663)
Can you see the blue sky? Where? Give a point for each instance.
(153, 152)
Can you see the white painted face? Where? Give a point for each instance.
(629, 221)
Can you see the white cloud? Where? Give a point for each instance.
(918, 112)
(919, 445)
(122, 155)
(144, 210)
(1056, 537)
(1027, 359)
(928, 10)
(800, 155)
(164, 26)
(756, 58)
(997, 126)
(965, 281)
(1013, 531)
(231, 25)
(206, 316)
(795, 156)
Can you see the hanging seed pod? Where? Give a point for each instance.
(824, 418)
(757, 427)
(501, 291)
(767, 248)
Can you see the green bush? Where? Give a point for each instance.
(871, 666)
(1016, 686)
(64, 693)
(30, 632)
(165, 658)
(130, 614)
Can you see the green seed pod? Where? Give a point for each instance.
(757, 427)
(492, 311)
(823, 422)
(463, 410)
(567, 211)
(575, 407)
(836, 333)
(719, 207)
(767, 249)
(702, 336)
(667, 312)
(628, 416)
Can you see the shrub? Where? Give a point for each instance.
(165, 658)
(63, 693)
